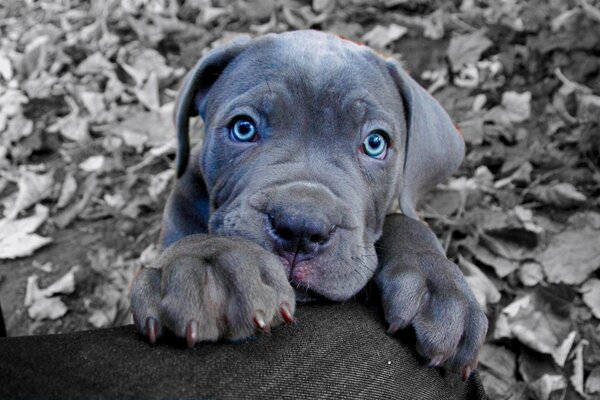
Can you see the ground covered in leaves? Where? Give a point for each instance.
(87, 147)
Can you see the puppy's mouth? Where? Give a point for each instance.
(298, 268)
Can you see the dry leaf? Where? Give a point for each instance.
(484, 290)
(577, 377)
(32, 189)
(16, 235)
(467, 49)
(524, 320)
(73, 127)
(93, 163)
(381, 36)
(95, 64)
(41, 304)
(47, 308)
(562, 195)
(515, 108)
(531, 273)
(67, 191)
(502, 266)
(6, 68)
(592, 384)
(571, 256)
(35, 58)
(147, 93)
(93, 102)
(590, 291)
(543, 387)
(159, 182)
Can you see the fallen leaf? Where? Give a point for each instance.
(499, 360)
(472, 130)
(41, 303)
(562, 195)
(32, 189)
(532, 320)
(531, 273)
(502, 266)
(47, 308)
(484, 290)
(590, 291)
(467, 48)
(35, 58)
(147, 93)
(210, 14)
(515, 108)
(11, 102)
(93, 163)
(6, 68)
(543, 387)
(159, 182)
(592, 384)
(577, 377)
(64, 285)
(73, 127)
(95, 64)
(67, 191)
(497, 370)
(145, 128)
(518, 105)
(93, 102)
(382, 36)
(69, 214)
(571, 256)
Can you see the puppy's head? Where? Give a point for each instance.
(309, 141)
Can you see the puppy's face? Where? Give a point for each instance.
(302, 153)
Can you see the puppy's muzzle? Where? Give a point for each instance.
(299, 234)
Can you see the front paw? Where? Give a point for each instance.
(207, 288)
(429, 293)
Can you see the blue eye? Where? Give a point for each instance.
(375, 145)
(244, 130)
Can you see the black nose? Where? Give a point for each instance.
(299, 234)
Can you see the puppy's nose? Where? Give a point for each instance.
(300, 234)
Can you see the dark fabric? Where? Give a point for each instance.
(2, 326)
(332, 352)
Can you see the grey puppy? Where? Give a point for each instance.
(310, 142)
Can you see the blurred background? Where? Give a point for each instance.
(87, 150)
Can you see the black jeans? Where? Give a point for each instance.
(332, 351)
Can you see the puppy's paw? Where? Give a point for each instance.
(429, 293)
(208, 288)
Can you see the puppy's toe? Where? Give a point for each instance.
(465, 360)
(193, 300)
(406, 292)
(439, 327)
(145, 303)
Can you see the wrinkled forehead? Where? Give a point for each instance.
(311, 65)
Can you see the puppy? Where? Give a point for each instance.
(310, 142)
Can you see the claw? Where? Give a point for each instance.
(191, 333)
(466, 372)
(286, 314)
(152, 330)
(436, 361)
(394, 327)
(259, 321)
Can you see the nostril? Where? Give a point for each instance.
(285, 233)
(317, 239)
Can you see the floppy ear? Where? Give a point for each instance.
(434, 147)
(196, 86)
